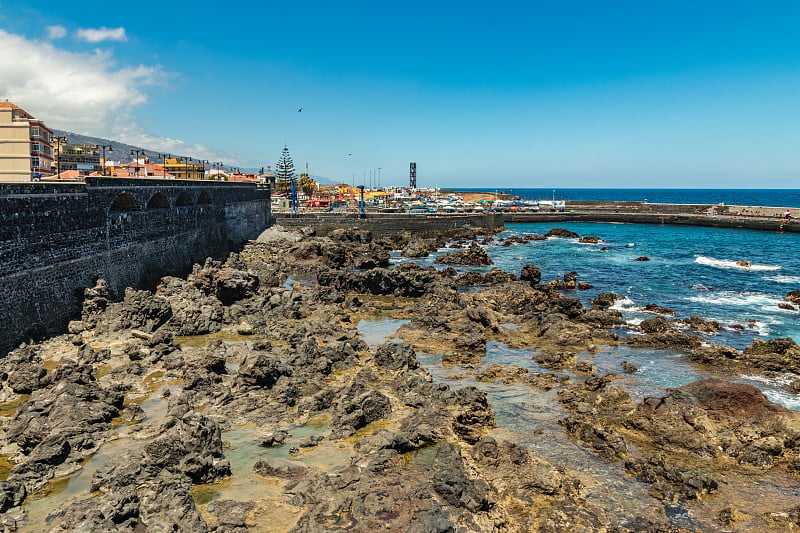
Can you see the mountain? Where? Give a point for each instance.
(119, 151)
(122, 152)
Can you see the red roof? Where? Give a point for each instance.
(67, 175)
(9, 105)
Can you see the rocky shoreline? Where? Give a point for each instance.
(244, 398)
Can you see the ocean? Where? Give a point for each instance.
(766, 197)
(691, 270)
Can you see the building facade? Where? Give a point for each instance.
(84, 158)
(26, 150)
(182, 169)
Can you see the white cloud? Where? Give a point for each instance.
(127, 130)
(96, 35)
(56, 32)
(86, 93)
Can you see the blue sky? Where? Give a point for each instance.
(512, 94)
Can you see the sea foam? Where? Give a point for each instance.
(727, 263)
(780, 278)
(763, 301)
(623, 303)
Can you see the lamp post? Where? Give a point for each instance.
(105, 147)
(204, 162)
(60, 141)
(164, 164)
(136, 154)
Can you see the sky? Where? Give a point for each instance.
(559, 94)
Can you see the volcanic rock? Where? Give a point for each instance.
(472, 256)
(530, 274)
(562, 233)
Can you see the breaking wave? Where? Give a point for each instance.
(727, 263)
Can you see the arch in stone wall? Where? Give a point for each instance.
(158, 201)
(204, 198)
(124, 202)
(183, 199)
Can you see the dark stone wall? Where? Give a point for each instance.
(57, 239)
(389, 223)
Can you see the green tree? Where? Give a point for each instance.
(284, 171)
(307, 185)
(282, 187)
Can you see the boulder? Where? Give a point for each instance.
(604, 300)
(396, 356)
(658, 310)
(281, 468)
(472, 256)
(793, 297)
(699, 324)
(530, 274)
(562, 233)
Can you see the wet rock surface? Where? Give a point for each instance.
(244, 398)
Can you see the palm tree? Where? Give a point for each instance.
(307, 185)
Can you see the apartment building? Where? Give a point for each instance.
(85, 158)
(184, 169)
(26, 150)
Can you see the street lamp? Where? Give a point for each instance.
(186, 160)
(164, 166)
(105, 147)
(60, 140)
(136, 153)
(204, 162)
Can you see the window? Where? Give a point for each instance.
(35, 131)
(35, 163)
(36, 147)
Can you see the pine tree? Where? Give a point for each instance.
(285, 173)
(284, 169)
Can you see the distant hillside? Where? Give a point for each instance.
(120, 151)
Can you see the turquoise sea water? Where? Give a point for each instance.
(771, 197)
(692, 270)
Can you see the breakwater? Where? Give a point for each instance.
(709, 215)
(57, 239)
(324, 223)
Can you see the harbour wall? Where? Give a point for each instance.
(57, 239)
(762, 218)
(381, 224)
(721, 216)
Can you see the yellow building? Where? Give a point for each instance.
(26, 152)
(85, 158)
(184, 169)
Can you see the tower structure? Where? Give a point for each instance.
(413, 176)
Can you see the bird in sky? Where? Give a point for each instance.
(300, 110)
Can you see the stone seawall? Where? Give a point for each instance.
(774, 223)
(740, 217)
(57, 239)
(324, 223)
